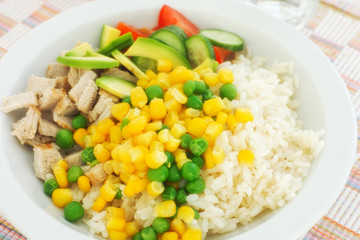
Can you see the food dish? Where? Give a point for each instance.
(299, 64)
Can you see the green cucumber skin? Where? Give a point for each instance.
(171, 39)
(178, 30)
(224, 39)
(117, 86)
(145, 63)
(119, 43)
(199, 48)
(88, 62)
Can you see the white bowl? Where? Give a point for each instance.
(323, 95)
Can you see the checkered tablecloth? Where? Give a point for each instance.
(335, 28)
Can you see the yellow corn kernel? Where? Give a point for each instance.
(150, 74)
(164, 65)
(177, 130)
(208, 119)
(203, 71)
(197, 127)
(154, 188)
(120, 153)
(104, 125)
(124, 177)
(91, 129)
(108, 168)
(115, 135)
(119, 110)
(226, 75)
(117, 235)
(116, 224)
(153, 126)
(98, 137)
(101, 153)
(163, 135)
(138, 153)
(84, 184)
(131, 228)
(231, 121)
(155, 159)
(165, 209)
(61, 197)
(128, 167)
(129, 191)
(163, 82)
(221, 117)
(142, 83)
(243, 115)
(211, 79)
(146, 114)
(192, 234)
(178, 86)
(156, 146)
(191, 112)
(227, 105)
(145, 139)
(61, 176)
(133, 113)
(171, 118)
(134, 185)
(63, 164)
(172, 105)
(213, 106)
(208, 158)
(177, 226)
(136, 125)
(157, 109)
(79, 135)
(141, 174)
(125, 132)
(180, 155)
(138, 97)
(218, 154)
(152, 82)
(112, 179)
(214, 129)
(173, 144)
(178, 96)
(141, 166)
(181, 162)
(99, 204)
(186, 214)
(170, 236)
(108, 191)
(88, 141)
(115, 212)
(246, 157)
(181, 74)
(140, 184)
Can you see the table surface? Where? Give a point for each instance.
(335, 29)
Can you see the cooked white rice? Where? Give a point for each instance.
(236, 194)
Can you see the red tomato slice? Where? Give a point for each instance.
(221, 54)
(125, 28)
(169, 16)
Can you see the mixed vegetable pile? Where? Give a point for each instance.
(163, 131)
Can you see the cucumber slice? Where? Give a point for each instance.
(178, 30)
(108, 34)
(126, 62)
(199, 48)
(224, 39)
(79, 51)
(88, 62)
(119, 43)
(145, 63)
(150, 48)
(171, 39)
(115, 85)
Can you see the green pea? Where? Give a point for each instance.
(170, 159)
(189, 87)
(127, 99)
(159, 174)
(64, 139)
(74, 173)
(185, 141)
(73, 211)
(49, 186)
(181, 196)
(198, 146)
(195, 102)
(169, 193)
(161, 225)
(174, 174)
(195, 187)
(87, 155)
(148, 233)
(124, 123)
(154, 91)
(164, 126)
(228, 91)
(197, 215)
(207, 94)
(79, 122)
(137, 236)
(198, 160)
(200, 87)
(118, 194)
(190, 171)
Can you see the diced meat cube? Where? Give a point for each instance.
(62, 82)
(106, 94)
(63, 121)
(48, 128)
(66, 107)
(39, 139)
(97, 174)
(45, 156)
(25, 128)
(74, 159)
(103, 104)
(21, 100)
(50, 98)
(40, 84)
(116, 72)
(57, 70)
(75, 74)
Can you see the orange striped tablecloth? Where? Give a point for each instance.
(335, 28)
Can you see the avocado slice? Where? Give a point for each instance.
(207, 63)
(126, 62)
(145, 63)
(118, 43)
(79, 51)
(88, 62)
(150, 48)
(108, 34)
(115, 85)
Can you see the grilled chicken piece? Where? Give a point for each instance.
(48, 128)
(57, 70)
(63, 121)
(66, 107)
(25, 129)
(40, 84)
(21, 100)
(97, 174)
(50, 98)
(45, 157)
(74, 159)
